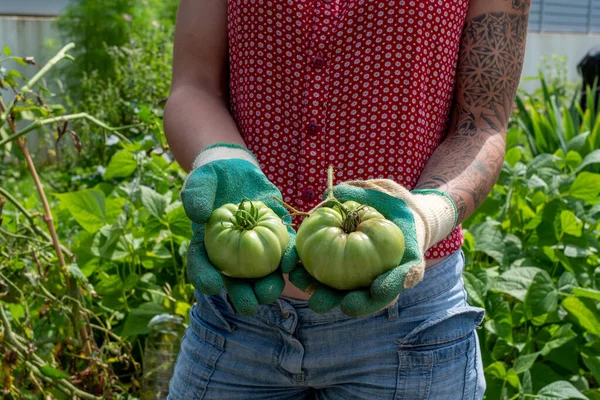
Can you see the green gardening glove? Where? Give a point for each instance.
(221, 174)
(425, 218)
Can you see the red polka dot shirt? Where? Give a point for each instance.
(365, 86)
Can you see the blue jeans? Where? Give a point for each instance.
(423, 347)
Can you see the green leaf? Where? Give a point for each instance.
(121, 165)
(17, 311)
(562, 335)
(576, 252)
(593, 394)
(476, 289)
(585, 313)
(114, 208)
(549, 227)
(593, 364)
(516, 281)
(489, 239)
(570, 224)
(573, 159)
(526, 385)
(74, 272)
(7, 50)
(540, 161)
(502, 349)
(586, 187)
(592, 158)
(560, 390)
(87, 206)
(53, 373)
(110, 244)
(513, 379)
(497, 370)
(542, 296)
(178, 222)
(525, 362)
(513, 156)
(588, 293)
(501, 317)
(130, 282)
(155, 203)
(537, 183)
(138, 319)
(109, 285)
(567, 282)
(578, 143)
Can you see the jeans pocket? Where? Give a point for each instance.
(438, 359)
(200, 350)
(447, 371)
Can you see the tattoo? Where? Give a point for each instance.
(466, 125)
(491, 60)
(467, 164)
(521, 5)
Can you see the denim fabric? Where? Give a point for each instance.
(423, 347)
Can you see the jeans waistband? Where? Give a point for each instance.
(436, 281)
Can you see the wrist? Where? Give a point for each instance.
(439, 211)
(224, 151)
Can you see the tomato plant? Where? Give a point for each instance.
(246, 240)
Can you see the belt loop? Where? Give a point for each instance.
(393, 311)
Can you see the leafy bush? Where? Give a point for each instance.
(96, 25)
(533, 264)
(122, 234)
(555, 121)
(134, 95)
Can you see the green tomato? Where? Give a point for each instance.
(348, 249)
(245, 240)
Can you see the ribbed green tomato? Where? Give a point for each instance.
(348, 250)
(245, 240)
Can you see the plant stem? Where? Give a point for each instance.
(62, 384)
(47, 217)
(53, 61)
(329, 200)
(31, 220)
(9, 336)
(71, 117)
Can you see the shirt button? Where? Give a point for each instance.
(313, 128)
(319, 62)
(327, 1)
(308, 195)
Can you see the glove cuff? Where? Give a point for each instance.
(439, 214)
(224, 151)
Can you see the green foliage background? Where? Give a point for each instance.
(532, 247)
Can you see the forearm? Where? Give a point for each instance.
(467, 164)
(466, 169)
(194, 119)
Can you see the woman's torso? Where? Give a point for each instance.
(365, 86)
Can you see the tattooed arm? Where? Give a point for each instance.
(467, 163)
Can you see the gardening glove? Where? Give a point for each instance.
(425, 217)
(221, 174)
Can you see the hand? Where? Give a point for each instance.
(425, 218)
(224, 174)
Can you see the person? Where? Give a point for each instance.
(409, 101)
(589, 70)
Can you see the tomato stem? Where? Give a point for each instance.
(351, 218)
(244, 220)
